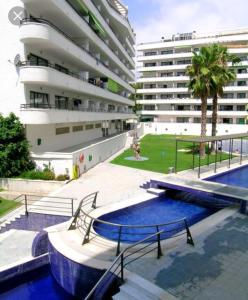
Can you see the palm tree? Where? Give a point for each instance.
(222, 75)
(200, 85)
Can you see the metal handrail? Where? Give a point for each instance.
(44, 21)
(88, 220)
(44, 204)
(120, 259)
(84, 109)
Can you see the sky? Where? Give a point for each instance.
(152, 19)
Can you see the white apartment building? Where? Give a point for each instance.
(164, 93)
(65, 71)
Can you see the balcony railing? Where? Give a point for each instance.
(93, 30)
(110, 27)
(83, 109)
(43, 21)
(99, 84)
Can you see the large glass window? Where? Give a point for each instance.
(61, 102)
(61, 69)
(36, 60)
(39, 100)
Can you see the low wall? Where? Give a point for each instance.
(30, 186)
(191, 128)
(85, 158)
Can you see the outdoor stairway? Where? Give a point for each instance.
(33, 222)
(157, 192)
(145, 185)
(137, 288)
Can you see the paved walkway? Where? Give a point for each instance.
(215, 269)
(114, 183)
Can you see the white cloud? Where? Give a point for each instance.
(181, 16)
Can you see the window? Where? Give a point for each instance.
(61, 69)
(149, 107)
(166, 63)
(241, 95)
(242, 71)
(148, 97)
(166, 96)
(39, 99)
(166, 52)
(226, 107)
(169, 74)
(150, 53)
(240, 121)
(182, 96)
(184, 62)
(89, 126)
(242, 83)
(62, 130)
(182, 120)
(150, 64)
(98, 125)
(228, 96)
(77, 128)
(181, 84)
(37, 60)
(61, 102)
(227, 121)
(240, 107)
(181, 73)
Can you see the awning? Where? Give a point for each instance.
(96, 24)
(79, 6)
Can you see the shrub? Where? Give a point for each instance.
(14, 147)
(62, 177)
(37, 174)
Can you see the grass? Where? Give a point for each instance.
(160, 149)
(6, 206)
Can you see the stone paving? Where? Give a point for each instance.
(215, 269)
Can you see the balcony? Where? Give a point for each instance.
(51, 114)
(50, 76)
(48, 36)
(192, 113)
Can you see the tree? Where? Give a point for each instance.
(222, 75)
(200, 85)
(14, 147)
(135, 96)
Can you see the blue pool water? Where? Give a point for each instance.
(35, 285)
(238, 177)
(156, 211)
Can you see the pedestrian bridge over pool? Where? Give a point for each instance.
(236, 194)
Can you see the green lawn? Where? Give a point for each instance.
(160, 149)
(7, 205)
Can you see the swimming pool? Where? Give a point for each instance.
(34, 285)
(158, 210)
(236, 177)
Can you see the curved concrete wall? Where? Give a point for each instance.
(75, 278)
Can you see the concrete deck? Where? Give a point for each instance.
(215, 269)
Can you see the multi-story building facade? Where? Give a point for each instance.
(65, 69)
(164, 95)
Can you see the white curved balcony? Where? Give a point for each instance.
(46, 35)
(31, 115)
(51, 77)
(110, 32)
(163, 79)
(177, 101)
(164, 56)
(162, 68)
(163, 91)
(189, 113)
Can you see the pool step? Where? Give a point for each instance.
(146, 185)
(136, 288)
(157, 192)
